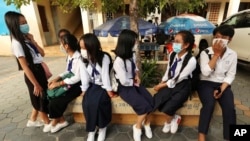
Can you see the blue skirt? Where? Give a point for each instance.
(169, 100)
(138, 98)
(97, 108)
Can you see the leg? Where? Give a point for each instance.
(34, 114)
(228, 111)
(205, 92)
(137, 127)
(201, 137)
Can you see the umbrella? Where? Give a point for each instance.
(115, 26)
(194, 23)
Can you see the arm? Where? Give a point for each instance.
(38, 90)
(121, 73)
(105, 73)
(31, 38)
(230, 76)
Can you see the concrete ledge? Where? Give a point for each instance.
(124, 114)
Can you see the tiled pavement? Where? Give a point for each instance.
(15, 109)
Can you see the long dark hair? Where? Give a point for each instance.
(71, 41)
(12, 22)
(93, 47)
(126, 42)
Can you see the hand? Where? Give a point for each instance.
(38, 90)
(53, 85)
(111, 94)
(217, 94)
(83, 93)
(29, 36)
(218, 48)
(137, 81)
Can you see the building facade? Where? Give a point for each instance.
(46, 20)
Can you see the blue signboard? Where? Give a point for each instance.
(3, 9)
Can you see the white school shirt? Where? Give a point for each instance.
(18, 51)
(186, 72)
(102, 79)
(125, 77)
(225, 68)
(77, 64)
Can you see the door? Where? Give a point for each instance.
(45, 24)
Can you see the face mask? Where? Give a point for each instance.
(224, 41)
(177, 47)
(62, 49)
(24, 28)
(84, 53)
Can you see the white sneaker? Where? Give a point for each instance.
(34, 123)
(91, 136)
(175, 123)
(102, 134)
(59, 126)
(166, 127)
(148, 131)
(47, 127)
(136, 133)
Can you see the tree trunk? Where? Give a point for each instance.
(133, 8)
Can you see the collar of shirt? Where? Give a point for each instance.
(76, 55)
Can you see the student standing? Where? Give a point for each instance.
(175, 87)
(29, 57)
(218, 73)
(97, 89)
(130, 89)
(58, 105)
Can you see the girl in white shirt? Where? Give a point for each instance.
(96, 87)
(130, 89)
(58, 105)
(175, 86)
(29, 57)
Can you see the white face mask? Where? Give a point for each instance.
(224, 41)
(84, 53)
(62, 49)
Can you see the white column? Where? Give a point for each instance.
(33, 18)
(100, 18)
(233, 7)
(85, 21)
(221, 13)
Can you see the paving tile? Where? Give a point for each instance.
(68, 136)
(242, 107)
(122, 137)
(190, 133)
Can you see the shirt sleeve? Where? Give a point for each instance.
(76, 78)
(17, 48)
(230, 75)
(105, 73)
(204, 60)
(85, 78)
(121, 73)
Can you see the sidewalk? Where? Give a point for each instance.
(15, 110)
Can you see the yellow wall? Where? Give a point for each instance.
(50, 23)
(69, 21)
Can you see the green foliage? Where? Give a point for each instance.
(17, 3)
(145, 6)
(150, 73)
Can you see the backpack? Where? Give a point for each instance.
(114, 82)
(195, 79)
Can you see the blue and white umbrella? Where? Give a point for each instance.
(194, 23)
(115, 26)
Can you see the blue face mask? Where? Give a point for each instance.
(177, 47)
(24, 28)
